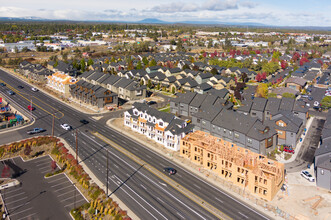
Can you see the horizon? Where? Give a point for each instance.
(282, 13)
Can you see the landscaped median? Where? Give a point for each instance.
(100, 206)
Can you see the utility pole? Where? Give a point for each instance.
(107, 172)
(76, 145)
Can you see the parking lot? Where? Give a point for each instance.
(38, 197)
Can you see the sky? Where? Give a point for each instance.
(269, 12)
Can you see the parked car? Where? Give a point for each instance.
(316, 103)
(307, 176)
(169, 170)
(310, 98)
(36, 130)
(84, 121)
(34, 89)
(20, 87)
(10, 92)
(304, 96)
(307, 104)
(31, 108)
(188, 121)
(66, 127)
(2, 84)
(288, 149)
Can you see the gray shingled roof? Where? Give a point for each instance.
(197, 100)
(185, 98)
(273, 105)
(286, 104)
(259, 104)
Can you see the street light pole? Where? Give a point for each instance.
(107, 172)
(76, 145)
(53, 125)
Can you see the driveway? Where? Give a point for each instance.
(308, 148)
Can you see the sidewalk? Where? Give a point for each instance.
(206, 175)
(99, 183)
(298, 146)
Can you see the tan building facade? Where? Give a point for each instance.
(252, 171)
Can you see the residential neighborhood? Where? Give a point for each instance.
(152, 121)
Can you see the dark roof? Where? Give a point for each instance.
(324, 148)
(324, 162)
(246, 106)
(273, 105)
(293, 123)
(286, 104)
(259, 104)
(219, 92)
(197, 100)
(185, 98)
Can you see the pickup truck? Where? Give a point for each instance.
(36, 130)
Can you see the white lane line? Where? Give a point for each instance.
(140, 198)
(12, 191)
(84, 142)
(27, 216)
(135, 148)
(16, 213)
(197, 186)
(116, 166)
(71, 204)
(166, 191)
(7, 197)
(19, 206)
(178, 175)
(180, 215)
(67, 198)
(44, 163)
(243, 215)
(218, 200)
(148, 156)
(63, 188)
(124, 142)
(66, 193)
(163, 184)
(103, 130)
(143, 186)
(162, 164)
(44, 168)
(57, 179)
(160, 199)
(57, 184)
(16, 201)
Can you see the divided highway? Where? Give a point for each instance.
(147, 194)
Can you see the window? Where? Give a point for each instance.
(280, 132)
(249, 140)
(236, 135)
(281, 124)
(322, 171)
(198, 120)
(230, 133)
(161, 123)
(253, 113)
(224, 131)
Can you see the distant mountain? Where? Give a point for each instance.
(31, 18)
(152, 21)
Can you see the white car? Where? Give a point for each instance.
(34, 89)
(66, 127)
(316, 103)
(307, 176)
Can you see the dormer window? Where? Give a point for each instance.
(161, 124)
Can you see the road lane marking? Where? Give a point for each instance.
(62, 188)
(243, 215)
(66, 193)
(197, 186)
(27, 216)
(218, 200)
(148, 156)
(7, 197)
(16, 201)
(16, 213)
(180, 215)
(143, 186)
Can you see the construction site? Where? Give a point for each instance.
(253, 172)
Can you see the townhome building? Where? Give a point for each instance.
(61, 83)
(164, 128)
(34, 72)
(248, 170)
(94, 95)
(322, 157)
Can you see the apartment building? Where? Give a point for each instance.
(253, 172)
(162, 127)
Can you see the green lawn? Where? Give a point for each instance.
(165, 109)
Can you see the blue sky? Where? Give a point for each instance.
(270, 12)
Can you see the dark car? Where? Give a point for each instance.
(10, 92)
(169, 170)
(310, 98)
(151, 103)
(20, 87)
(84, 121)
(2, 84)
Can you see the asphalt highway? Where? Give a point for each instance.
(147, 194)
